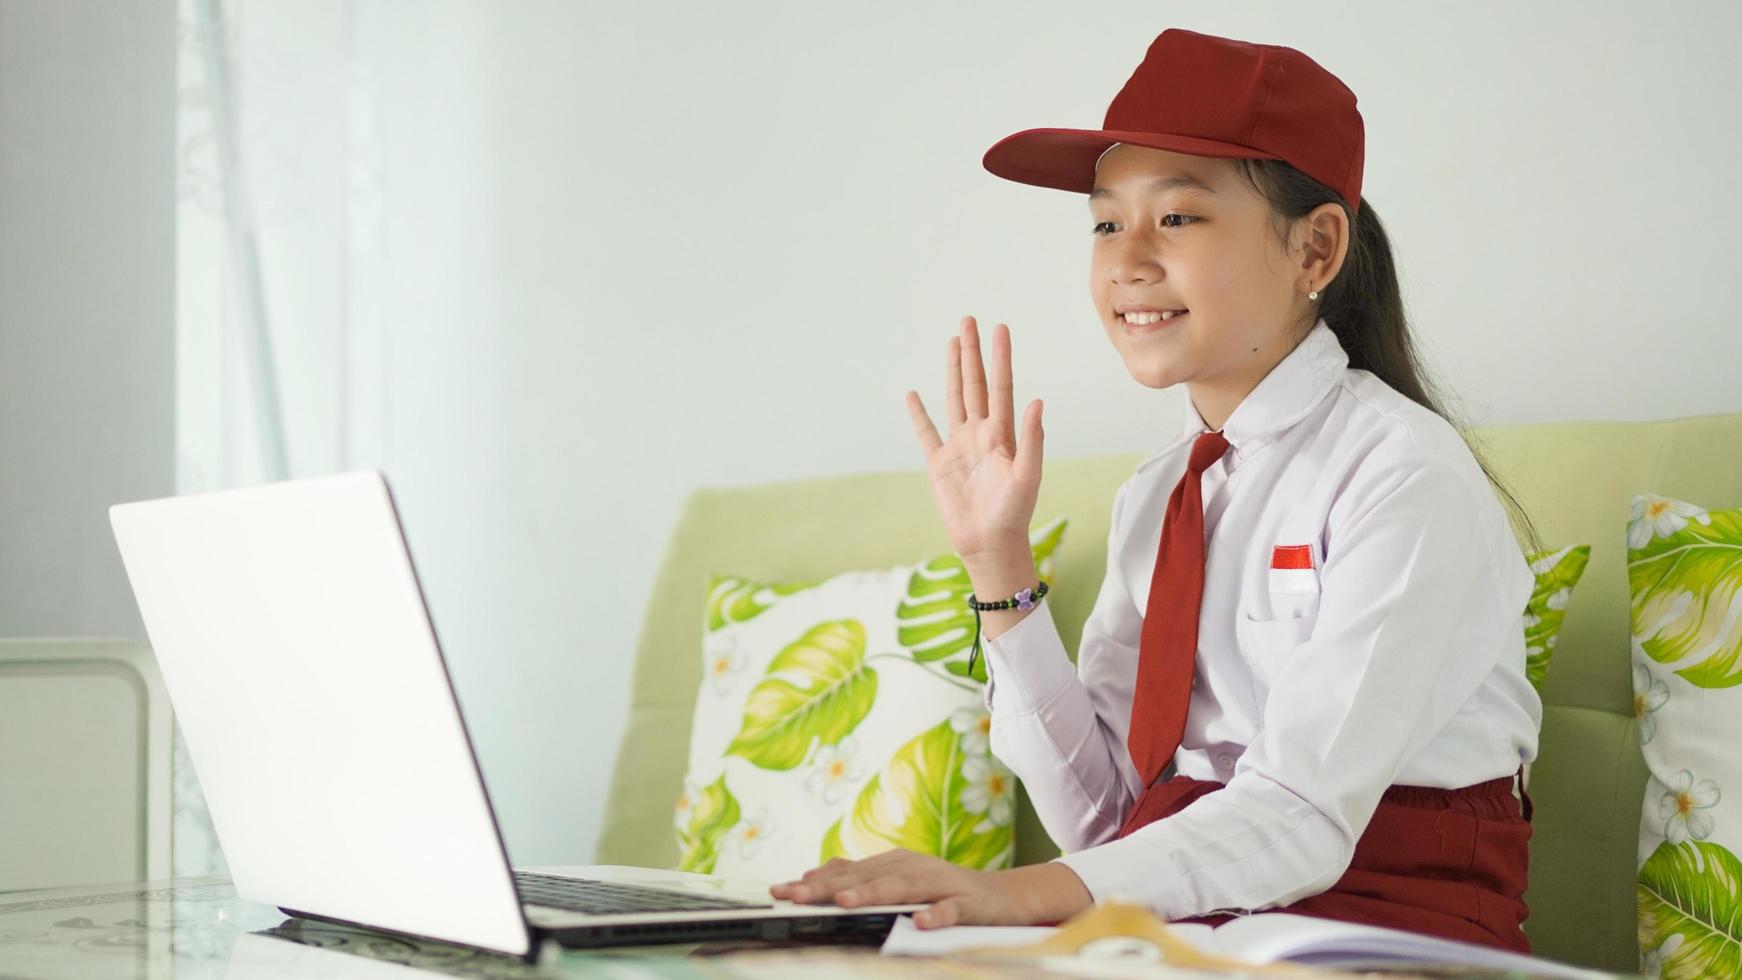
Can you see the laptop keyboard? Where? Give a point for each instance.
(612, 898)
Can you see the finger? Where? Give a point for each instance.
(883, 860)
(821, 884)
(973, 371)
(832, 864)
(887, 889)
(785, 889)
(805, 890)
(1000, 409)
(819, 888)
(922, 425)
(1032, 447)
(951, 911)
(841, 873)
(953, 384)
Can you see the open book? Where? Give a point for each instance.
(1132, 933)
(1273, 937)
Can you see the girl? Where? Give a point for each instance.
(1302, 683)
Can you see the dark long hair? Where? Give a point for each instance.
(1363, 305)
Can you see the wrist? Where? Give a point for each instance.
(1001, 576)
(1044, 893)
(1014, 551)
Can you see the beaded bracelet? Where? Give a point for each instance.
(1023, 600)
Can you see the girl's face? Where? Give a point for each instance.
(1179, 232)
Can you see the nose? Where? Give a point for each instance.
(1133, 258)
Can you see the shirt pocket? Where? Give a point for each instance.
(1267, 644)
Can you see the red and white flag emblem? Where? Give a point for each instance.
(1291, 569)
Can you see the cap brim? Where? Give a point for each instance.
(1065, 158)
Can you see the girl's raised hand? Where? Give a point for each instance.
(984, 481)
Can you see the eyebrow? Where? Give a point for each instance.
(1166, 183)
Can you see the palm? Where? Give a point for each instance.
(984, 482)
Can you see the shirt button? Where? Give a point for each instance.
(1225, 763)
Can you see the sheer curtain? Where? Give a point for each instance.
(280, 350)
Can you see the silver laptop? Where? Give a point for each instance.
(299, 655)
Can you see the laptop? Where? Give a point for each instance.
(298, 652)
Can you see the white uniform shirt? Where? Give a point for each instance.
(1399, 659)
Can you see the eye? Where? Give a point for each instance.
(1183, 218)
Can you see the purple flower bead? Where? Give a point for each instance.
(1025, 599)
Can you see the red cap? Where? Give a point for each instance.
(1207, 96)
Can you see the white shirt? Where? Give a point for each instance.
(1399, 659)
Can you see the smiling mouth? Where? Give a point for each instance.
(1151, 322)
(1150, 316)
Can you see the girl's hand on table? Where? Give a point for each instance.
(1029, 895)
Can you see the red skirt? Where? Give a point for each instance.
(1444, 862)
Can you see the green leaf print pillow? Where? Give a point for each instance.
(1556, 572)
(838, 718)
(1684, 575)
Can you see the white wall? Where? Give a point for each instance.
(636, 248)
(630, 250)
(87, 357)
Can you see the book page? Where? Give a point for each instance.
(1269, 937)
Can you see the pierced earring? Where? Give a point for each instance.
(1314, 295)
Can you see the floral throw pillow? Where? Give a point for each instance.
(1556, 574)
(1684, 574)
(1557, 571)
(839, 718)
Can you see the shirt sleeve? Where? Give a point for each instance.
(1061, 729)
(1410, 622)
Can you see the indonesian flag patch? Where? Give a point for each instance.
(1292, 569)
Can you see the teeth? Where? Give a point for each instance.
(1151, 317)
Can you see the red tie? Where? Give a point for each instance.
(1169, 647)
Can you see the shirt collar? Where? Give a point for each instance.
(1285, 395)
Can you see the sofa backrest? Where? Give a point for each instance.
(1575, 479)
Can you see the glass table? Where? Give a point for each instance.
(200, 928)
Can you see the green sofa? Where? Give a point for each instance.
(1576, 479)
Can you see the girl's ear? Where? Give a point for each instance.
(1324, 242)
